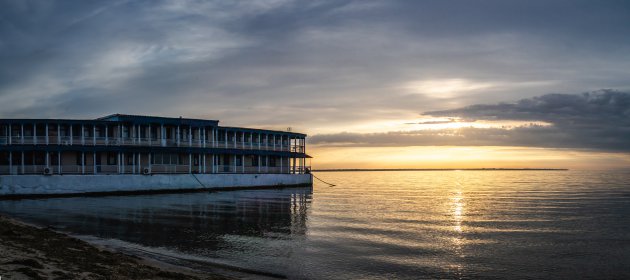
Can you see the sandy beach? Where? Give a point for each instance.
(29, 252)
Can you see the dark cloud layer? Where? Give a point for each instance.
(300, 63)
(596, 120)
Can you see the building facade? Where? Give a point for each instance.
(145, 145)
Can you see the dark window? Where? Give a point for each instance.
(40, 158)
(4, 158)
(111, 158)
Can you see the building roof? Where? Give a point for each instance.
(140, 119)
(154, 119)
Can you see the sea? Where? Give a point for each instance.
(372, 225)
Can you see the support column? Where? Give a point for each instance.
(280, 164)
(178, 137)
(82, 162)
(11, 163)
(189, 163)
(226, 139)
(133, 163)
(204, 136)
(106, 136)
(47, 159)
(35, 133)
(190, 136)
(82, 135)
(58, 134)
(258, 161)
(162, 140)
(59, 162)
(71, 135)
(234, 164)
(214, 140)
(150, 161)
(47, 141)
(22, 135)
(94, 135)
(22, 162)
(242, 163)
(94, 162)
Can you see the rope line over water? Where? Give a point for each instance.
(195, 176)
(329, 184)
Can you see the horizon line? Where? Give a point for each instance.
(437, 169)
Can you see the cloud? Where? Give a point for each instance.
(279, 63)
(599, 107)
(449, 120)
(596, 120)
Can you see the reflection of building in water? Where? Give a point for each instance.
(188, 222)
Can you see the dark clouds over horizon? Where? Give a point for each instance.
(591, 121)
(304, 64)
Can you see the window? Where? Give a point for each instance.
(111, 159)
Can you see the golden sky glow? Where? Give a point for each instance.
(461, 157)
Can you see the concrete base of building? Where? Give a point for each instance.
(19, 186)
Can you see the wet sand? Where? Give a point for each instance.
(29, 252)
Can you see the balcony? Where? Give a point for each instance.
(150, 142)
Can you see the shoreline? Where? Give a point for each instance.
(31, 252)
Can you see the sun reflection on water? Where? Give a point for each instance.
(458, 208)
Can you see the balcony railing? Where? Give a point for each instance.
(127, 169)
(152, 142)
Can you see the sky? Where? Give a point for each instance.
(375, 84)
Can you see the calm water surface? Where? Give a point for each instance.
(378, 225)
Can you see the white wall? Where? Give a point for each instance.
(73, 184)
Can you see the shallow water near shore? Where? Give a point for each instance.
(375, 225)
